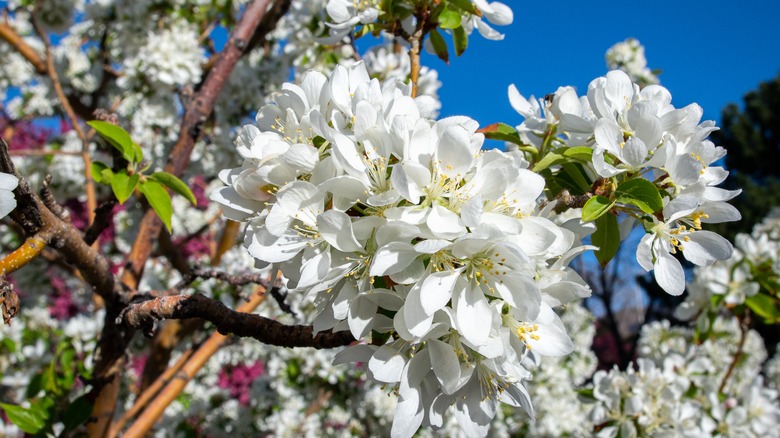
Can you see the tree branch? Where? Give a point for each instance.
(196, 113)
(74, 121)
(17, 42)
(142, 315)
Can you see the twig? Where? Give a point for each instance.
(74, 120)
(227, 321)
(743, 328)
(30, 249)
(17, 42)
(414, 53)
(226, 241)
(40, 152)
(48, 200)
(102, 221)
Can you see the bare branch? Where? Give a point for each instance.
(142, 315)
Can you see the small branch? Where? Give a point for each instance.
(40, 152)
(234, 280)
(48, 200)
(226, 241)
(414, 54)
(74, 120)
(743, 328)
(17, 42)
(103, 219)
(227, 321)
(26, 253)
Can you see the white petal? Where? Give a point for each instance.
(444, 223)
(445, 365)
(669, 273)
(705, 247)
(336, 228)
(436, 290)
(387, 364)
(472, 313)
(392, 258)
(354, 353)
(361, 315)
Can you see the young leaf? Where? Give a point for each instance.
(439, 46)
(501, 131)
(123, 185)
(764, 306)
(159, 200)
(607, 238)
(118, 138)
(582, 153)
(175, 184)
(28, 420)
(97, 169)
(595, 208)
(461, 40)
(466, 5)
(642, 193)
(449, 19)
(577, 175)
(550, 159)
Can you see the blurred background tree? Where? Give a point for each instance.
(751, 135)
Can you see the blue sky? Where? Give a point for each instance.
(711, 52)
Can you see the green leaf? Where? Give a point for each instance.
(123, 185)
(501, 131)
(97, 170)
(764, 306)
(159, 200)
(77, 413)
(607, 238)
(118, 138)
(449, 19)
(28, 420)
(548, 160)
(439, 46)
(582, 153)
(595, 208)
(178, 186)
(641, 193)
(466, 5)
(577, 176)
(461, 40)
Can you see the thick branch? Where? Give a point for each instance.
(227, 321)
(198, 110)
(36, 219)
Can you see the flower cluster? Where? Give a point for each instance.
(751, 277)
(629, 56)
(410, 236)
(634, 137)
(679, 389)
(345, 15)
